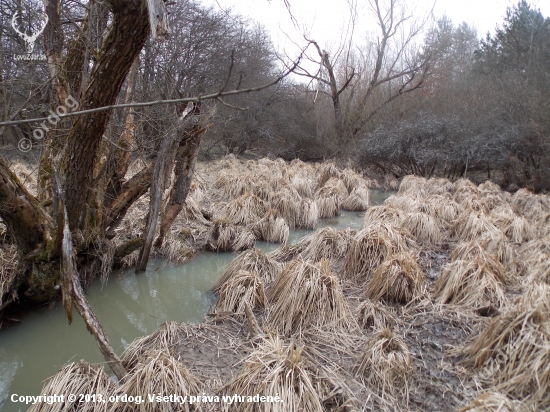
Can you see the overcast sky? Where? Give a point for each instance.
(325, 19)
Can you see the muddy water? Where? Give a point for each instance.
(128, 306)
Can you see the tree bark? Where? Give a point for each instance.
(125, 40)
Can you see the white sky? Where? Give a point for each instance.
(326, 18)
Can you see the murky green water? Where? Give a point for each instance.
(128, 306)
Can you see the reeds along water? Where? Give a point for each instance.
(357, 306)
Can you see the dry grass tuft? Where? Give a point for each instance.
(370, 247)
(403, 202)
(241, 289)
(245, 210)
(254, 261)
(330, 197)
(519, 230)
(8, 269)
(382, 214)
(411, 184)
(424, 227)
(274, 369)
(328, 243)
(308, 214)
(398, 279)
(472, 226)
(157, 373)
(326, 172)
(78, 379)
(515, 350)
(372, 314)
(165, 338)
(304, 186)
(358, 199)
(226, 237)
(307, 295)
(288, 203)
(491, 402)
(386, 363)
(475, 282)
(232, 184)
(272, 227)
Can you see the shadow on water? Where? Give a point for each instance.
(128, 306)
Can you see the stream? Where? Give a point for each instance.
(128, 306)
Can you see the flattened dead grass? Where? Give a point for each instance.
(514, 350)
(386, 364)
(157, 373)
(275, 369)
(79, 378)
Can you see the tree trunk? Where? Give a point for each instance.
(122, 45)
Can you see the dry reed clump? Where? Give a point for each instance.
(328, 243)
(386, 363)
(232, 184)
(495, 247)
(398, 279)
(489, 187)
(306, 295)
(390, 183)
(358, 199)
(519, 230)
(329, 198)
(288, 203)
(327, 171)
(411, 183)
(242, 289)
(8, 269)
(263, 190)
(439, 186)
(226, 237)
(272, 228)
(491, 402)
(78, 379)
(423, 227)
(472, 202)
(472, 225)
(479, 281)
(275, 369)
(404, 202)
(157, 373)
(245, 210)
(373, 314)
(308, 214)
(515, 350)
(191, 212)
(304, 186)
(165, 338)
(541, 270)
(465, 186)
(382, 214)
(370, 247)
(174, 247)
(255, 261)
